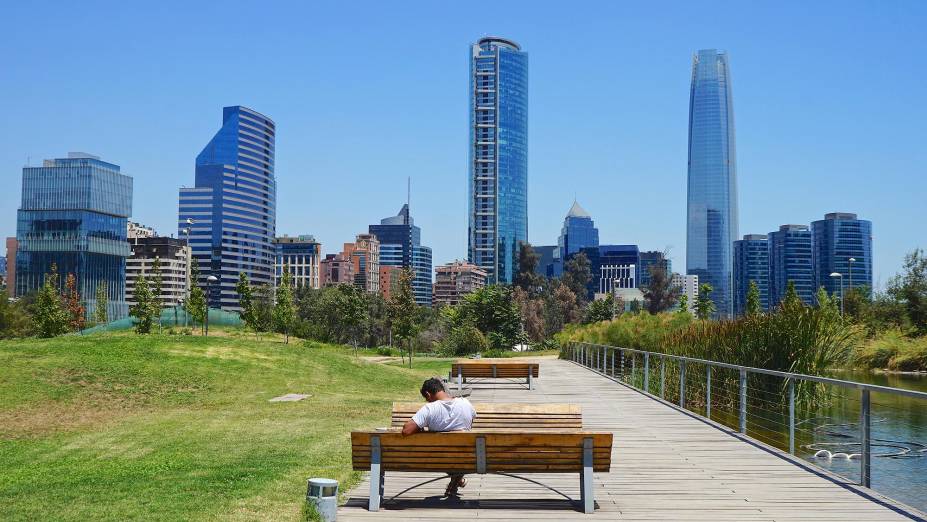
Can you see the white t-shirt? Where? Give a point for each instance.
(454, 415)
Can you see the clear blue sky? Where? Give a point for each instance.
(829, 101)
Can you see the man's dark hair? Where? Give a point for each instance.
(432, 386)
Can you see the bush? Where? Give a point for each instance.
(465, 340)
(893, 351)
(386, 351)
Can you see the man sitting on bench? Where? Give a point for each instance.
(442, 412)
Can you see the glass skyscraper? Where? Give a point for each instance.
(712, 183)
(751, 263)
(838, 238)
(401, 246)
(233, 205)
(791, 260)
(578, 232)
(74, 215)
(498, 187)
(653, 258)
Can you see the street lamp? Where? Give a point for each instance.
(851, 261)
(210, 281)
(838, 274)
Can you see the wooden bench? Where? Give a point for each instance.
(507, 417)
(494, 369)
(568, 451)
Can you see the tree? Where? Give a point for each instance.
(704, 306)
(49, 316)
(284, 310)
(660, 295)
(263, 308)
(246, 300)
(791, 298)
(532, 313)
(828, 305)
(683, 304)
(100, 313)
(353, 310)
(494, 312)
(196, 305)
(402, 310)
(600, 310)
(143, 309)
(577, 275)
(527, 278)
(910, 289)
(753, 307)
(465, 340)
(73, 304)
(156, 283)
(14, 321)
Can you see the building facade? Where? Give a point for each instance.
(137, 230)
(336, 269)
(791, 260)
(712, 177)
(302, 257)
(578, 232)
(73, 215)
(401, 246)
(173, 256)
(364, 254)
(498, 155)
(455, 280)
(650, 259)
(546, 255)
(751, 263)
(389, 281)
(609, 256)
(11, 266)
(688, 285)
(843, 245)
(612, 277)
(233, 205)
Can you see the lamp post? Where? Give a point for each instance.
(850, 263)
(186, 298)
(210, 281)
(838, 274)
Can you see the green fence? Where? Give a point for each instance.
(173, 317)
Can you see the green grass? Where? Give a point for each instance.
(892, 350)
(119, 426)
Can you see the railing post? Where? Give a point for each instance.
(743, 400)
(708, 392)
(633, 367)
(647, 372)
(791, 416)
(604, 355)
(662, 376)
(621, 359)
(613, 363)
(865, 453)
(682, 383)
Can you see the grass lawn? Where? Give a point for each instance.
(118, 426)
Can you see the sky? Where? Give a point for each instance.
(829, 103)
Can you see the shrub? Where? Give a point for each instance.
(465, 340)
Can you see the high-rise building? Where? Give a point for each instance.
(688, 285)
(233, 205)
(751, 263)
(842, 244)
(137, 230)
(73, 215)
(712, 185)
(364, 254)
(11, 266)
(301, 256)
(546, 255)
(336, 269)
(791, 260)
(172, 254)
(650, 259)
(498, 191)
(389, 281)
(611, 257)
(613, 277)
(455, 280)
(401, 246)
(578, 232)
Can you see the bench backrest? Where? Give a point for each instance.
(508, 417)
(498, 369)
(483, 452)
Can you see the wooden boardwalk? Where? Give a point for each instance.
(666, 465)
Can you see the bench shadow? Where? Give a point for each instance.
(438, 502)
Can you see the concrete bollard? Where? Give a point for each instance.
(323, 494)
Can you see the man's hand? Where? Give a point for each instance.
(410, 428)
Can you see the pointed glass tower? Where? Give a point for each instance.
(578, 232)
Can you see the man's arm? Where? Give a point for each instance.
(410, 428)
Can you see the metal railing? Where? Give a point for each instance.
(766, 396)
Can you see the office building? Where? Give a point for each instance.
(336, 269)
(578, 232)
(751, 263)
(173, 256)
(546, 255)
(389, 281)
(364, 255)
(688, 285)
(137, 230)
(791, 260)
(3, 271)
(843, 245)
(612, 277)
(73, 215)
(455, 280)
(650, 259)
(610, 257)
(401, 246)
(498, 157)
(11, 266)
(301, 256)
(712, 177)
(233, 205)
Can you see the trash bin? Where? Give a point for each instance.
(323, 494)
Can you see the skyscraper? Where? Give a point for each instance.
(73, 215)
(751, 263)
(611, 262)
(233, 205)
(578, 232)
(498, 191)
(712, 183)
(300, 256)
(791, 260)
(401, 246)
(650, 259)
(839, 238)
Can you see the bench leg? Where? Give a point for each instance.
(587, 496)
(459, 379)
(530, 381)
(376, 475)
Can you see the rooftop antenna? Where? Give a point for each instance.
(408, 199)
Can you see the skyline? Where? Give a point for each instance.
(813, 138)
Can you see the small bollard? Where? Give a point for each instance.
(323, 494)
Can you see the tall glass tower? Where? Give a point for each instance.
(578, 232)
(712, 205)
(233, 205)
(498, 191)
(73, 215)
(401, 246)
(791, 260)
(838, 238)
(751, 264)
